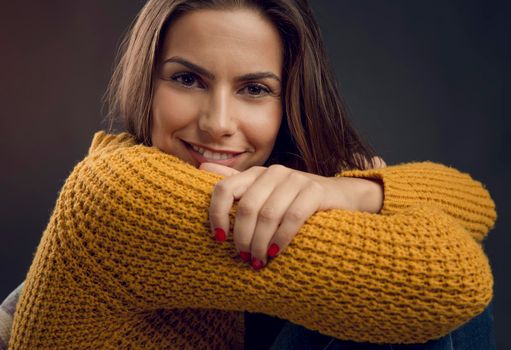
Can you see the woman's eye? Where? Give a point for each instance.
(257, 90)
(185, 79)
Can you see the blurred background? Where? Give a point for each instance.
(423, 80)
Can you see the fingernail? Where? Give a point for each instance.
(245, 256)
(219, 234)
(273, 250)
(256, 263)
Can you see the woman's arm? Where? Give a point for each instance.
(134, 221)
(457, 194)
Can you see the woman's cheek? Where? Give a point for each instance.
(175, 108)
(171, 111)
(267, 123)
(261, 129)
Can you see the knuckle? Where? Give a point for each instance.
(267, 214)
(277, 167)
(221, 187)
(245, 208)
(256, 168)
(295, 215)
(315, 186)
(296, 176)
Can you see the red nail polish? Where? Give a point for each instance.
(273, 250)
(245, 256)
(257, 264)
(219, 234)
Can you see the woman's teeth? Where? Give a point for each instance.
(211, 155)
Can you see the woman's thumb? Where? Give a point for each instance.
(218, 169)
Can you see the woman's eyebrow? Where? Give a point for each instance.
(202, 71)
(190, 65)
(257, 76)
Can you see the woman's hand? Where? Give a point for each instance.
(274, 203)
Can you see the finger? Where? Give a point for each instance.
(378, 162)
(218, 169)
(303, 207)
(272, 214)
(251, 203)
(225, 192)
(249, 206)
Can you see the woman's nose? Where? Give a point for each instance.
(217, 118)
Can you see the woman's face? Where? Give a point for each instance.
(218, 88)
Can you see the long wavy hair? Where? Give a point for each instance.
(315, 134)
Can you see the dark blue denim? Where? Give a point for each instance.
(477, 334)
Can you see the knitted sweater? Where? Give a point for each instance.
(127, 261)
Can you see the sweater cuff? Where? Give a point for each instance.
(456, 193)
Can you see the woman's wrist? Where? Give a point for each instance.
(362, 194)
(372, 201)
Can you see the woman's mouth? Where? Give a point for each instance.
(206, 156)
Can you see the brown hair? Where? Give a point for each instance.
(315, 135)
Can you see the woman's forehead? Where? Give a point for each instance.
(216, 37)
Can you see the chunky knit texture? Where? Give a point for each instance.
(127, 260)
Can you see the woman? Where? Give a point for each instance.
(231, 103)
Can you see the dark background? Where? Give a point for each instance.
(425, 80)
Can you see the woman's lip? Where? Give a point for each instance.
(200, 158)
(212, 150)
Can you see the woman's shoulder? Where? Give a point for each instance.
(104, 142)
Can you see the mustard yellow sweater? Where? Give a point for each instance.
(127, 262)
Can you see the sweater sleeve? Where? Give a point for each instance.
(131, 226)
(457, 194)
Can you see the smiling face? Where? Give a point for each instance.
(217, 94)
